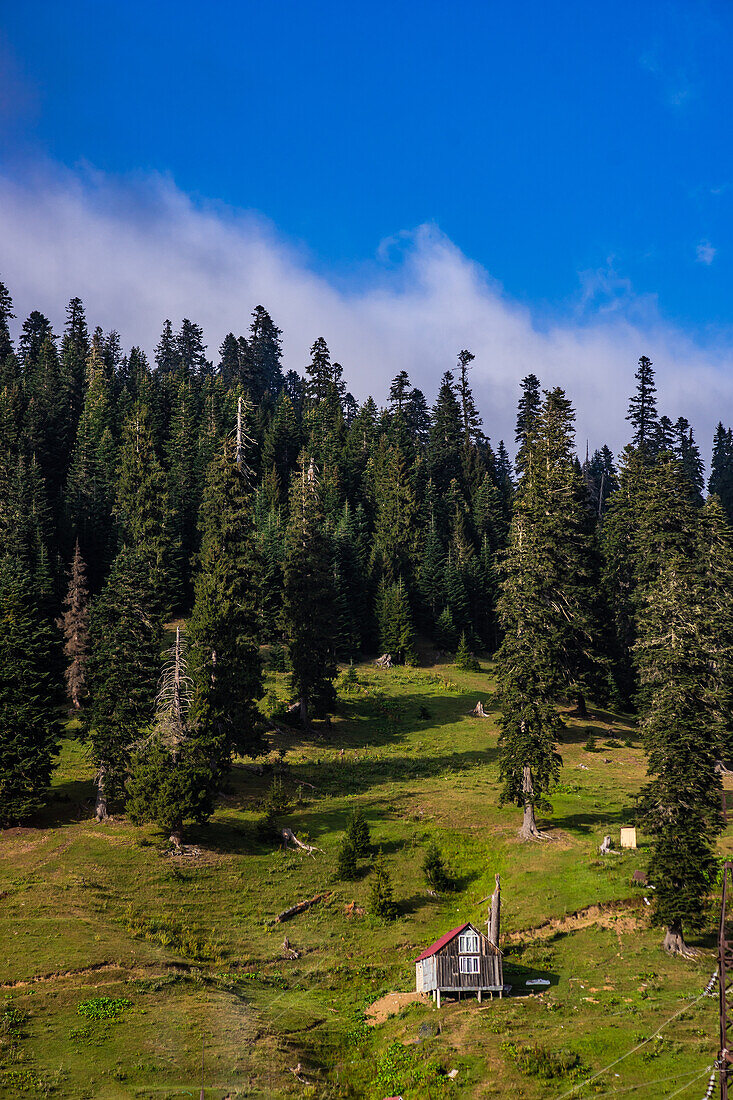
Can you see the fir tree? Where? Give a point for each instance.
(545, 609)
(464, 657)
(528, 412)
(90, 486)
(445, 631)
(74, 624)
(172, 778)
(682, 733)
(265, 351)
(191, 350)
(347, 867)
(224, 628)
(721, 469)
(643, 407)
(6, 343)
(309, 613)
(382, 903)
(437, 876)
(445, 437)
(142, 505)
(357, 831)
(396, 632)
(124, 637)
(28, 726)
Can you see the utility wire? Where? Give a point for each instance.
(588, 1080)
(677, 1092)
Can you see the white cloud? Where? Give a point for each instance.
(705, 253)
(139, 250)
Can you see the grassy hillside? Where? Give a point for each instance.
(119, 958)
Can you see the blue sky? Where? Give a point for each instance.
(579, 153)
(545, 139)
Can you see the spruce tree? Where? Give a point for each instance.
(347, 867)
(74, 624)
(382, 902)
(682, 730)
(142, 506)
(721, 469)
(28, 725)
(225, 621)
(437, 876)
(173, 776)
(90, 486)
(124, 646)
(545, 609)
(357, 830)
(643, 408)
(309, 613)
(396, 631)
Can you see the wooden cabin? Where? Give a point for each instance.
(464, 960)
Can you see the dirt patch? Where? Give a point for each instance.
(390, 1004)
(621, 916)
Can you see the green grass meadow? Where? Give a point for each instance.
(119, 959)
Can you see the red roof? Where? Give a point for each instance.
(435, 947)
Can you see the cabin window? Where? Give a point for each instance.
(468, 943)
(469, 964)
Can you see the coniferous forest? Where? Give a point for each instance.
(279, 523)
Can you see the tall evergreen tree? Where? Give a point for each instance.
(681, 726)
(28, 726)
(545, 610)
(224, 627)
(721, 469)
(309, 613)
(643, 407)
(122, 670)
(173, 778)
(74, 624)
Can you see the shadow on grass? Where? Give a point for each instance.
(588, 820)
(348, 776)
(517, 975)
(68, 802)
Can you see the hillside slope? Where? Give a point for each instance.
(118, 958)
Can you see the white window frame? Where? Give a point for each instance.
(469, 964)
(468, 943)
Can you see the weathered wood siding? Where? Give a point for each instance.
(449, 975)
(443, 969)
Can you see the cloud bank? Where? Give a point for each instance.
(139, 250)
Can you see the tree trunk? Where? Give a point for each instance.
(100, 808)
(674, 943)
(529, 830)
(305, 721)
(582, 708)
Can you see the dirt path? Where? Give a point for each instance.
(390, 1004)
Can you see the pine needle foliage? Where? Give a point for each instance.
(382, 903)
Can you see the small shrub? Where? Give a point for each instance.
(591, 745)
(435, 870)
(274, 805)
(538, 1061)
(423, 713)
(346, 867)
(103, 1008)
(274, 706)
(464, 657)
(349, 680)
(358, 833)
(278, 658)
(382, 901)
